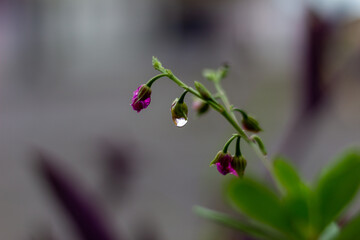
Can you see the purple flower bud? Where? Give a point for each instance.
(200, 106)
(223, 163)
(141, 98)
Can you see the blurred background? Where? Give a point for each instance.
(75, 157)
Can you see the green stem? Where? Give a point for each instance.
(181, 99)
(254, 146)
(225, 111)
(212, 103)
(243, 113)
(183, 85)
(238, 151)
(228, 114)
(232, 120)
(226, 146)
(223, 97)
(151, 81)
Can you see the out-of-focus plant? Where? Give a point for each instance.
(297, 210)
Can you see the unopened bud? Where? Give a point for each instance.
(141, 98)
(223, 163)
(179, 113)
(251, 124)
(223, 71)
(157, 64)
(209, 74)
(259, 142)
(239, 164)
(202, 90)
(200, 106)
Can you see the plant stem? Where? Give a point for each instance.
(225, 149)
(151, 81)
(183, 85)
(223, 97)
(212, 103)
(243, 113)
(228, 115)
(181, 99)
(234, 123)
(238, 150)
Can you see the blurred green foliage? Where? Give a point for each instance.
(299, 210)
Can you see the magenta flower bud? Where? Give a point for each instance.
(141, 98)
(223, 163)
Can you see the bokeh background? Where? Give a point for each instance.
(67, 72)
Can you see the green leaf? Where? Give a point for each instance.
(245, 227)
(350, 230)
(298, 209)
(259, 203)
(287, 176)
(336, 187)
(296, 200)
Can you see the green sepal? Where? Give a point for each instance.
(239, 164)
(218, 156)
(251, 124)
(260, 143)
(203, 91)
(144, 92)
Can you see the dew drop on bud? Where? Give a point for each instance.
(179, 112)
(180, 122)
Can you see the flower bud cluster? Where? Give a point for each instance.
(225, 163)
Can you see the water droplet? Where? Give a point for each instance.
(180, 122)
